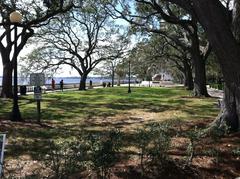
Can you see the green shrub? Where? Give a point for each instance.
(66, 157)
(104, 150)
(94, 153)
(214, 153)
(153, 143)
(216, 132)
(160, 143)
(193, 136)
(236, 152)
(217, 86)
(142, 138)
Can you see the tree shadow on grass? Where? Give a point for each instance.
(147, 105)
(201, 110)
(80, 108)
(71, 109)
(35, 141)
(99, 103)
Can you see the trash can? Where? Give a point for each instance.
(23, 90)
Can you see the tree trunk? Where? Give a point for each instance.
(82, 85)
(6, 51)
(230, 112)
(200, 88)
(113, 76)
(216, 22)
(199, 66)
(119, 81)
(236, 20)
(7, 91)
(188, 78)
(185, 80)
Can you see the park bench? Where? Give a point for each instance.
(156, 83)
(146, 83)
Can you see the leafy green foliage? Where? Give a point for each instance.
(213, 72)
(153, 143)
(217, 86)
(104, 151)
(66, 157)
(95, 152)
(236, 152)
(81, 39)
(193, 136)
(159, 144)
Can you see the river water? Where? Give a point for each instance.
(68, 80)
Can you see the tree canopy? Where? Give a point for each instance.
(34, 14)
(81, 38)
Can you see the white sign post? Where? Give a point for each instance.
(38, 97)
(2, 145)
(37, 80)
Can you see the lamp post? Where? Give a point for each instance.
(148, 76)
(15, 19)
(129, 76)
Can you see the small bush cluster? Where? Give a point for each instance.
(105, 152)
(194, 137)
(93, 153)
(66, 157)
(217, 86)
(98, 153)
(153, 143)
(236, 152)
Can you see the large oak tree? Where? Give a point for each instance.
(82, 39)
(35, 14)
(222, 29)
(152, 15)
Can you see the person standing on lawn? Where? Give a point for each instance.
(61, 84)
(53, 84)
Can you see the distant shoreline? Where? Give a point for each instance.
(70, 80)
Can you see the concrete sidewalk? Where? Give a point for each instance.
(215, 92)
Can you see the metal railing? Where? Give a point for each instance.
(48, 87)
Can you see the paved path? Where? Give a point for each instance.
(215, 92)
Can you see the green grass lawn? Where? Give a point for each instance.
(68, 114)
